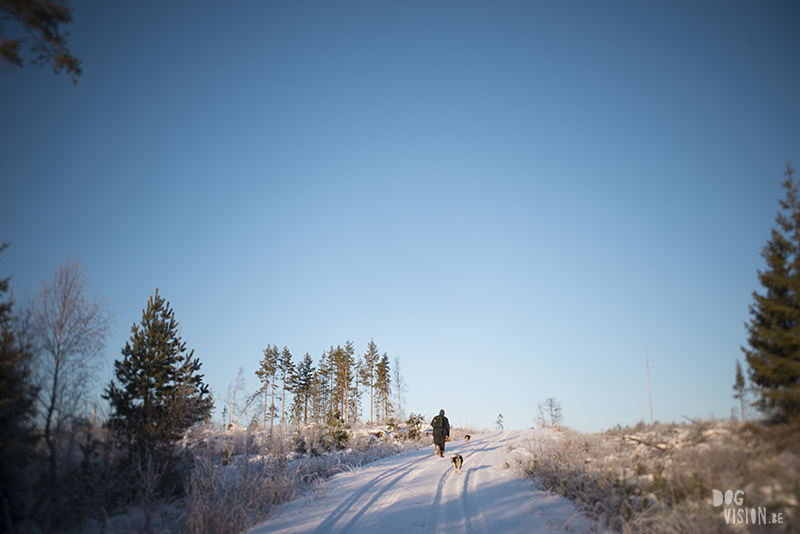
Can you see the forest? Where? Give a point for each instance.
(152, 458)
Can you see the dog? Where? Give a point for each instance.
(458, 461)
(466, 438)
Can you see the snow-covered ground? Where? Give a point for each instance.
(418, 492)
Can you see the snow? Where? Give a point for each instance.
(418, 492)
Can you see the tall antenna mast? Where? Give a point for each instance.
(649, 391)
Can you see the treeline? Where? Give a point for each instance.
(343, 387)
(60, 465)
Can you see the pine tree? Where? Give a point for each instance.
(296, 407)
(368, 370)
(327, 367)
(301, 386)
(322, 388)
(383, 385)
(285, 368)
(318, 404)
(347, 372)
(355, 391)
(773, 355)
(341, 361)
(40, 24)
(266, 373)
(161, 393)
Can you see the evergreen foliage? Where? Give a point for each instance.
(321, 389)
(383, 386)
(414, 425)
(368, 371)
(773, 352)
(285, 368)
(161, 393)
(17, 410)
(266, 371)
(301, 385)
(332, 390)
(355, 391)
(40, 21)
(343, 362)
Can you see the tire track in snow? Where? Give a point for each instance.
(343, 508)
(465, 502)
(373, 511)
(437, 511)
(438, 517)
(473, 512)
(467, 508)
(383, 499)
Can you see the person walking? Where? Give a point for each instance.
(441, 431)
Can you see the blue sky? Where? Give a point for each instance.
(512, 197)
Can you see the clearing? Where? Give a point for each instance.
(418, 492)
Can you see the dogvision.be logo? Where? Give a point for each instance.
(743, 515)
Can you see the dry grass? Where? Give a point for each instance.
(232, 498)
(241, 480)
(658, 479)
(224, 482)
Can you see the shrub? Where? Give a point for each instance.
(659, 479)
(414, 425)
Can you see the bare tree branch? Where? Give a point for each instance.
(68, 333)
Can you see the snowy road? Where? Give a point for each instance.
(418, 492)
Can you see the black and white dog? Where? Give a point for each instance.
(466, 438)
(457, 460)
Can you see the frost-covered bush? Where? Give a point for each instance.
(231, 495)
(222, 481)
(234, 496)
(659, 478)
(414, 426)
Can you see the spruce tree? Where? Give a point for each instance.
(773, 354)
(17, 411)
(160, 393)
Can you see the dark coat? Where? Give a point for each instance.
(440, 432)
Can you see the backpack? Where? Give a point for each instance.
(437, 422)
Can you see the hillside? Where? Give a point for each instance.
(419, 492)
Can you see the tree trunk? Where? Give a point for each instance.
(48, 437)
(266, 396)
(272, 409)
(283, 399)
